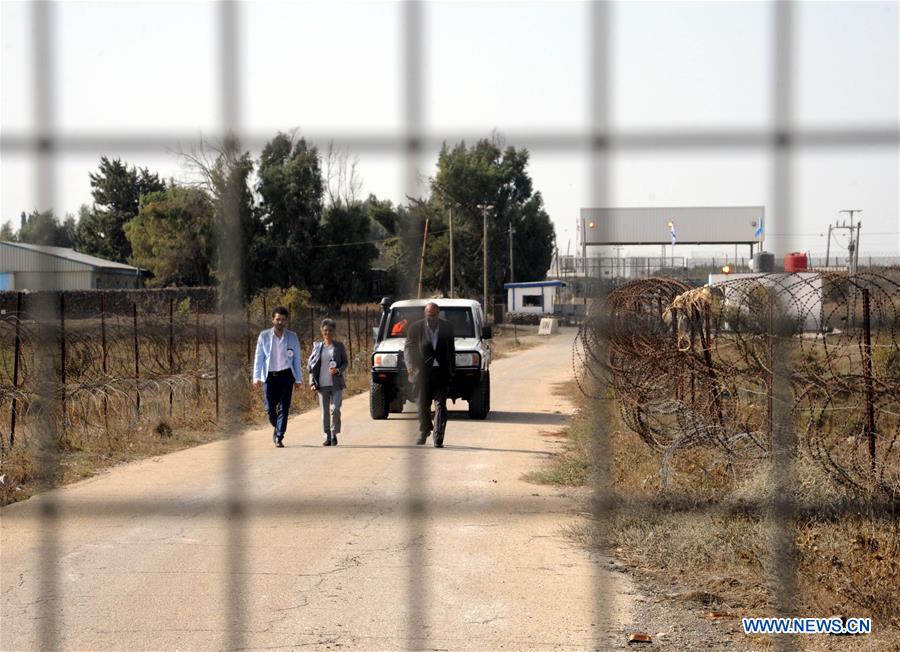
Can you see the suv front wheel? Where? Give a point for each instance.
(480, 397)
(378, 401)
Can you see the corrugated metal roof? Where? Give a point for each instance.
(534, 284)
(71, 255)
(693, 225)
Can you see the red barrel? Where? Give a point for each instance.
(795, 262)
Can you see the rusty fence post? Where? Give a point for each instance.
(216, 356)
(249, 355)
(710, 367)
(62, 356)
(359, 339)
(694, 317)
(350, 337)
(137, 361)
(171, 354)
(674, 313)
(103, 357)
(366, 329)
(867, 373)
(18, 355)
(197, 358)
(770, 376)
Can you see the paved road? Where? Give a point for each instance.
(375, 544)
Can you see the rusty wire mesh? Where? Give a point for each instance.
(694, 367)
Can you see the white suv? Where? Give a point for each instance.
(390, 388)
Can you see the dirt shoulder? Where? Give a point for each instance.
(698, 571)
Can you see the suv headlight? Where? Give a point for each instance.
(468, 360)
(385, 359)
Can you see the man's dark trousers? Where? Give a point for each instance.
(433, 385)
(279, 387)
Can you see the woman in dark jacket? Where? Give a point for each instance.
(327, 364)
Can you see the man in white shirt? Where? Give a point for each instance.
(277, 368)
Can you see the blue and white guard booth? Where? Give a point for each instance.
(533, 298)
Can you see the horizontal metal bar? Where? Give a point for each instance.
(386, 141)
(434, 506)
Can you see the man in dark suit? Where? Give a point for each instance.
(430, 355)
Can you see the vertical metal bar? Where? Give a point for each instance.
(44, 102)
(867, 374)
(231, 251)
(416, 507)
(783, 544)
(17, 356)
(137, 362)
(604, 503)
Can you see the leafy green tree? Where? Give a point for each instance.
(487, 174)
(403, 250)
(342, 259)
(225, 172)
(44, 229)
(6, 232)
(237, 216)
(117, 190)
(291, 193)
(172, 236)
(383, 216)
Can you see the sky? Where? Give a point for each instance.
(335, 69)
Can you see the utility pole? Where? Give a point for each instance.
(828, 247)
(853, 246)
(512, 232)
(451, 251)
(422, 258)
(484, 211)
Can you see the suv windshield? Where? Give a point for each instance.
(403, 318)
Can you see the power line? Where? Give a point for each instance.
(365, 242)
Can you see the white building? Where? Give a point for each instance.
(38, 267)
(536, 297)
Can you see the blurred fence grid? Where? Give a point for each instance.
(697, 414)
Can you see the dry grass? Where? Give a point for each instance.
(509, 339)
(85, 450)
(847, 565)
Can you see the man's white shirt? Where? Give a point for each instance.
(279, 357)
